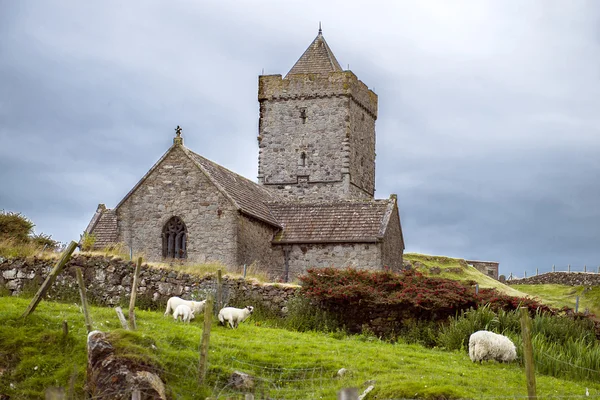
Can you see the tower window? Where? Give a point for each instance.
(303, 159)
(303, 114)
(174, 238)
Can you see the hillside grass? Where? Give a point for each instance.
(34, 355)
(458, 269)
(565, 296)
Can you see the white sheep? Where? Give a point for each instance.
(234, 315)
(196, 306)
(486, 345)
(185, 312)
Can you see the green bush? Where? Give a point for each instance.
(15, 226)
(87, 241)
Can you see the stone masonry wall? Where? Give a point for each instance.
(362, 148)
(392, 246)
(311, 113)
(358, 255)
(489, 268)
(284, 136)
(108, 282)
(560, 278)
(255, 244)
(177, 187)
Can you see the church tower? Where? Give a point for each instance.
(317, 130)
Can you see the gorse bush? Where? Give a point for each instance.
(17, 238)
(15, 226)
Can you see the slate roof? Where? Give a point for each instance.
(330, 222)
(248, 197)
(317, 59)
(358, 221)
(104, 227)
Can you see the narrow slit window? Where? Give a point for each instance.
(303, 159)
(303, 115)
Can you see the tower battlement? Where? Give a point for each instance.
(317, 130)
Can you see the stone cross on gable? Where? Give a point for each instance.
(178, 139)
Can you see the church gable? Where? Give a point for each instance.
(176, 188)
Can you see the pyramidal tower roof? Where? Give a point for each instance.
(317, 59)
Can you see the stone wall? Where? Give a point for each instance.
(108, 282)
(560, 278)
(331, 119)
(341, 255)
(254, 244)
(285, 136)
(392, 247)
(177, 187)
(361, 132)
(489, 268)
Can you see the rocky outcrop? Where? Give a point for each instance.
(108, 283)
(111, 377)
(560, 278)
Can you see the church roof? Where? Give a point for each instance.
(104, 227)
(317, 59)
(249, 197)
(331, 222)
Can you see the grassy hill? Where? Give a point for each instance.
(565, 296)
(34, 355)
(458, 269)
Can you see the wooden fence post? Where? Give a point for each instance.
(205, 338)
(136, 394)
(348, 394)
(219, 302)
(584, 268)
(525, 274)
(246, 268)
(536, 272)
(50, 279)
(569, 268)
(122, 319)
(528, 352)
(577, 304)
(134, 285)
(84, 304)
(55, 393)
(553, 268)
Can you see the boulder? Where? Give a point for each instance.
(112, 377)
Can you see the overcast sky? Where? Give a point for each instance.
(489, 111)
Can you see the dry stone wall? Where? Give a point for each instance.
(108, 282)
(560, 278)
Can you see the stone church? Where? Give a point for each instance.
(314, 201)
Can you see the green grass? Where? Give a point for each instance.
(564, 295)
(34, 355)
(461, 271)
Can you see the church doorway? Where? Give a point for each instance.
(174, 239)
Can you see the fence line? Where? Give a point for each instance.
(569, 269)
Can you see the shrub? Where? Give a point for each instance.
(390, 300)
(45, 242)
(87, 241)
(15, 226)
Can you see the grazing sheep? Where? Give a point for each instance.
(234, 315)
(196, 306)
(485, 345)
(185, 312)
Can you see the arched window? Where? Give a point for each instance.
(174, 239)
